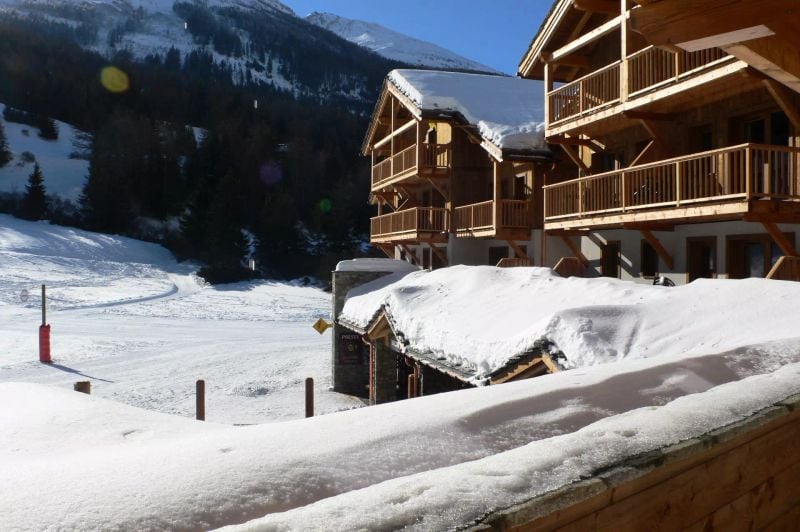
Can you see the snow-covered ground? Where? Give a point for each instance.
(63, 176)
(144, 328)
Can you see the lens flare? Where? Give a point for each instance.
(114, 80)
(325, 206)
(270, 173)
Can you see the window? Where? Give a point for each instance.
(649, 263)
(610, 262)
(701, 257)
(752, 255)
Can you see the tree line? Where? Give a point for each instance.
(280, 180)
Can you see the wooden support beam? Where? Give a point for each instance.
(609, 7)
(642, 153)
(710, 23)
(411, 254)
(438, 252)
(785, 101)
(659, 139)
(786, 245)
(572, 60)
(517, 250)
(644, 115)
(587, 38)
(595, 144)
(440, 184)
(576, 252)
(650, 226)
(402, 129)
(575, 159)
(660, 249)
(387, 249)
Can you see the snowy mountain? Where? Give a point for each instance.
(394, 45)
(261, 42)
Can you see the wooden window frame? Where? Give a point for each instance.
(715, 245)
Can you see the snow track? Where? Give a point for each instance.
(144, 328)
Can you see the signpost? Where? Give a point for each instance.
(44, 332)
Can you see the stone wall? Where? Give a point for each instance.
(349, 354)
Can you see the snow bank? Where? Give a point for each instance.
(431, 463)
(479, 317)
(507, 111)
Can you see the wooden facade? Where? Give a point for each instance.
(435, 180)
(670, 118)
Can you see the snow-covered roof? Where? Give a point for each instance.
(375, 265)
(479, 318)
(506, 111)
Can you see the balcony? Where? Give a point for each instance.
(478, 220)
(429, 160)
(721, 184)
(647, 70)
(426, 224)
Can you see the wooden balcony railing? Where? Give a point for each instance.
(741, 172)
(432, 157)
(652, 66)
(409, 223)
(585, 94)
(647, 68)
(480, 216)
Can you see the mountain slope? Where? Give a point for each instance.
(395, 45)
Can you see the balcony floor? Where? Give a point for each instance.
(779, 211)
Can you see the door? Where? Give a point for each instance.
(752, 255)
(701, 258)
(610, 265)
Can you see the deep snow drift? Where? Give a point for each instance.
(144, 328)
(676, 363)
(479, 317)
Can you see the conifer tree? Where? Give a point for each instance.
(34, 204)
(5, 153)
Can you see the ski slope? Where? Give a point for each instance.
(144, 328)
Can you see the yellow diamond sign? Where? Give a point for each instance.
(321, 326)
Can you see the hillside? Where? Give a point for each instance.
(63, 161)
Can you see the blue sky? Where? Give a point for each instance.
(492, 32)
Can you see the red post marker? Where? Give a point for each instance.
(44, 344)
(44, 332)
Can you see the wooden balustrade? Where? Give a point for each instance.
(746, 171)
(480, 216)
(652, 66)
(432, 156)
(585, 94)
(647, 68)
(410, 222)
(436, 155)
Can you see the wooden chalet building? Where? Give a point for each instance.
(681, 119)
(458, 164)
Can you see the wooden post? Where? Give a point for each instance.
(200, 400)
(548, 88)
(83, 387)
(309, 397)
(496, 215)
(623, 67)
